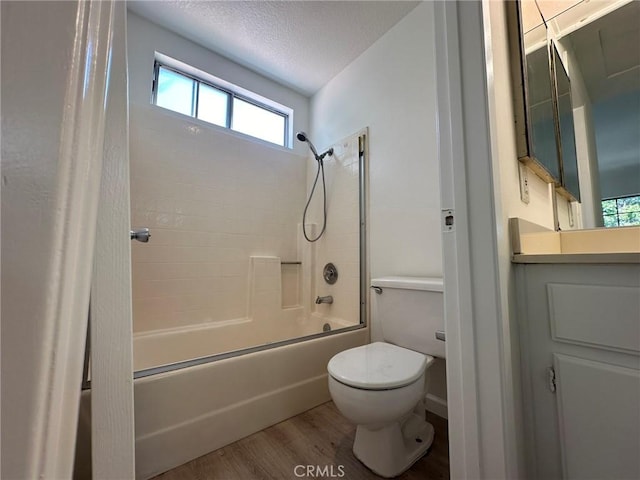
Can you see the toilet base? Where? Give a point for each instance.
(391, 450)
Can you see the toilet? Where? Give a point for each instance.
(381, 387)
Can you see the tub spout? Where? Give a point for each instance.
(327, 299)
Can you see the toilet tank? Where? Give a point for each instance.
(410, 310)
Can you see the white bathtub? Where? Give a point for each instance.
(183, 414)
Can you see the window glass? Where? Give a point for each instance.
(628, 211)
(610, 213)
(221, 103)
(257, 122)
(212, 105)
(621, 212)
(175, 91)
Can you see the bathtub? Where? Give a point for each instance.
(186, 413)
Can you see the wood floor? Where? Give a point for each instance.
(321, 437)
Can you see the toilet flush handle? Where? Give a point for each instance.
(440, 335)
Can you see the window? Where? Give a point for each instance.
(621, 212)
(220, 103)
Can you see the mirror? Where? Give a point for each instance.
(602, 44)
(595, 66)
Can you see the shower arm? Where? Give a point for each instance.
(328, 152)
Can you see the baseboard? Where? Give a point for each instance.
(437, 405)
(165, 449)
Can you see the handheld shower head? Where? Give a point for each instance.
(302, 136)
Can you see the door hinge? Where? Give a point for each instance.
(551, 378)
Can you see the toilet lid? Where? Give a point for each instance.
(378, 366)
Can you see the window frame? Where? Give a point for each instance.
(227, 88)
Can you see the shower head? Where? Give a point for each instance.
(302, 136)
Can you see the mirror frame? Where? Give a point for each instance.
(519, 81)
(522, 116)
(555, 71)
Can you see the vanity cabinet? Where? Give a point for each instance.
(579, 327)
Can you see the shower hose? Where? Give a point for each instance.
(324, 204)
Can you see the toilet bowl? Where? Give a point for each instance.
(380, 387)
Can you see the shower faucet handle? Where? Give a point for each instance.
(328, 299)
(141, 234)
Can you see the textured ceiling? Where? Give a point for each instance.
(604, 35)
(302, 44)
(608, 52)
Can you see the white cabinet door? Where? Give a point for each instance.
(599, 419)
(582, 320)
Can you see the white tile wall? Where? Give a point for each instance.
(212, 200)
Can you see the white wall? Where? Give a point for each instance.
(390, 89)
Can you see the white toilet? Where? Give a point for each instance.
(381, 387)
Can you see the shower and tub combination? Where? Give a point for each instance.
(288, 295)
(247, 288)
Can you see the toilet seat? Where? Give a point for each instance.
(378, 366)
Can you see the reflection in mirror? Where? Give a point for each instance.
(599, 43)
(569, 160)
(598, 55)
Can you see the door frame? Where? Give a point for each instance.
(479, 392)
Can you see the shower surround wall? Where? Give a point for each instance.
(212, 198)
(212, 201)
